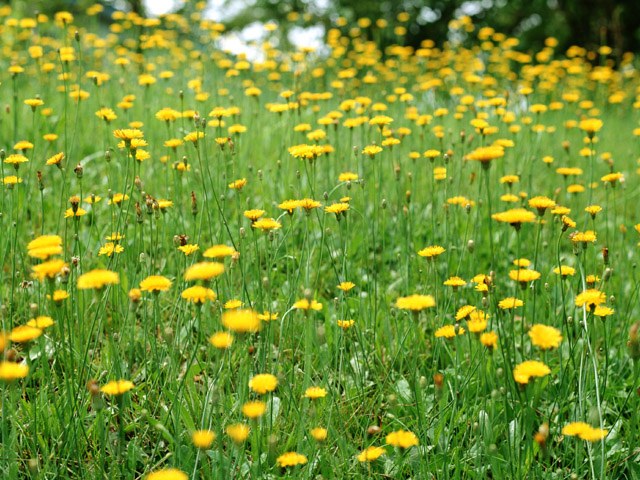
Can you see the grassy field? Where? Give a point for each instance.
(408, 263)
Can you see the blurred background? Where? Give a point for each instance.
(587, 23)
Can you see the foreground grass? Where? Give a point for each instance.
(445, 369)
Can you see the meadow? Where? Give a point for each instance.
(353, 262)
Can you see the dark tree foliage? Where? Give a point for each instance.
(588, 23)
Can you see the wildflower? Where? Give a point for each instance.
(603, 311)
(337, 208)
(291, 459)
(44, 246)
(218, 251)
(10, 371)
(231, 304)
(371, 150)
(221, 340)
(204, 271)
(454, 282)
(41, 322)
(515, 217)
(345, 324)
(188, 249)
(203, 438)
(584, 431)
(110, 248)
(509, 303)
(541, 204)
(305, 304)
(415, 302)
(528, 369)
(167, 474)
(348, 177)
(590, 298)
(464, 311)
(403, 439)
(55, 159)
(266, 224)
(545, 337)
(591, 126)
(319, 434)
(117, 387)
(346, 286)
(155, 283)
(238, 184)
(24, 334)
(370, 454)
(448, 331)
(524, 275)
(97, 279)
(48, 269)
(315, 392)
(263, 383)
(485, 155)
(431, 252)
(241, 321)
(238, 432)
(254, 409)
(253, 215)
(198, 294)
(489, 339)
(289, 206)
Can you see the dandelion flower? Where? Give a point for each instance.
(203, 438)
(97, 279)
(528, 369)
(117, 387)
(545, 337)
(402, 439)
(291, 459)
(263, 383)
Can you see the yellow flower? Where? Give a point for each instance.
(202, 438)
(590, 298)
(188, 249)
(319, 434)
(370, 454)
(41, 322)
(254, 409)
(545, 337)
(431, 252)
(371, 150)
(489, 339)
(515, 217)
(221, 340)
(218, 251)
(97, 279)
(155, 283)
(337, 208)
(588, 236)
(584, 431)
(291, 459)
(110, 248)
(524, 275)
(564, 270)
(198, 294)
(254, 214)
(268, 316)
(509, 303)
(12, 371)
(305, 304)
(238, 184)
(167, 474)
(530, 368)
(266, 224)
(346, 286)
(263, 383)
(24, 333)
(448, 331)
(315, 392)
(117, 387)
(241, 321)
(541, 204)
(415, 302)
(204, 271)
(238, 432)
(403, 439)
(48, 269)
(345, 324)
(44, 246)
(485, 155)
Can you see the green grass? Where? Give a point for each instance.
(387, 372)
